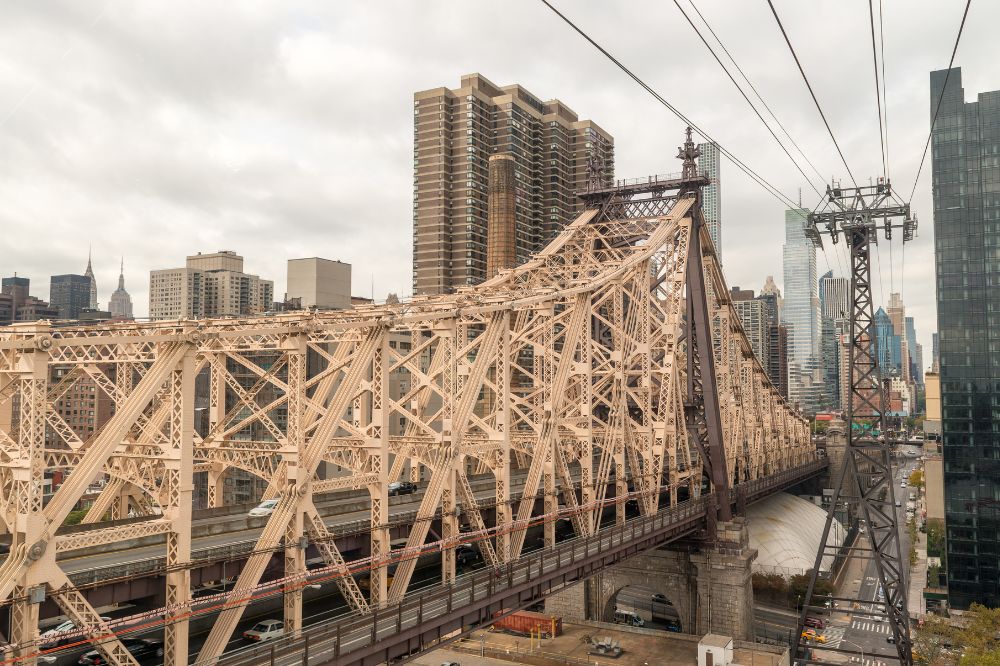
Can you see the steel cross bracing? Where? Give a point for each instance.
(571, 369)
(866, 481)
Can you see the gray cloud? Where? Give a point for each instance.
(157, 129)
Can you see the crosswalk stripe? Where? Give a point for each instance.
(874, 627)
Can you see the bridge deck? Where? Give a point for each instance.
(429, 618)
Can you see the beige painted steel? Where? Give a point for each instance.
(569, 368)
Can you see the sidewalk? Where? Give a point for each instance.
(916, 605)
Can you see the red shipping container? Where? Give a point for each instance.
(526, 623)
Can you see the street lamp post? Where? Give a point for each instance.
(844, 640)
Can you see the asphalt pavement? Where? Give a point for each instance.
(864, 629)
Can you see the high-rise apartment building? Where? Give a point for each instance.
(800, 313)
(69, 294)
(17, 288)
(888, 344)
(454, 134)
(834, 297)
(210, 285)
(753, 313)
(897, 315)
(84, 407)
(710, 163)
(120, 305)
(777, 336)
(965, 148)
(913, 349)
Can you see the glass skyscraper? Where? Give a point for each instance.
(800, 313)
(711, 195)
(834, 304)
(889, 344)
(966, 182)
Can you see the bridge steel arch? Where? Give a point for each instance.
(572, 367)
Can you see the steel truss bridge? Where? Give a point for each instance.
(610, 368)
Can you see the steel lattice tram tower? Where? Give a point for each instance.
(865, 480)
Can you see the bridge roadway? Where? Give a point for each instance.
(232, 536)
(431, 617)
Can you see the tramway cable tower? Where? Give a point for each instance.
(865, 480)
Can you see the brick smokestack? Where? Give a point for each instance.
(501, 224)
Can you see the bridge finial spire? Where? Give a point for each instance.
(689, 152)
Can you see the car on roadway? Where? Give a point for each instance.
(143, 649)
(450, 663)
(402, 488)
(661, 599)
(629, 618)
(465, 553)
(811, 635)
(898, 503)
(815, 623)
(265, 508)
(265, 630)
(68, 625)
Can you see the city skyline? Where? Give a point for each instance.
(452, 350)
(319, 158)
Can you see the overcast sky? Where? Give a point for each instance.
(284, 129)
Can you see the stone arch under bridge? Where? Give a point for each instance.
(709, 586)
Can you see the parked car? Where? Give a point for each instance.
(402, 488)
(265, 630)
(265, 508)
(68, 625)
(629, 618)
(141, 648)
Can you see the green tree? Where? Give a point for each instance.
(940, 643)
(917, 478)
(935, 537)
(931, 641)
(74, 517)
(799, 585)
(987, 659)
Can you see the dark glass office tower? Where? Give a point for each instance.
(966, 177)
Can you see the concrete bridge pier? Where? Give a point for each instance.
(710, 589)
(725, 590)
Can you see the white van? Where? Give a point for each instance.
(629, 618)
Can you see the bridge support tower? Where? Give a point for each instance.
(710, 589)
(725, 589)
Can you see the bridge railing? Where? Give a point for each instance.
(350, 632)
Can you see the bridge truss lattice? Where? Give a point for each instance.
(571, 369)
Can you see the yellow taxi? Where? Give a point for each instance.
(811, 635)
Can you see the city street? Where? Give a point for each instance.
(864, 628)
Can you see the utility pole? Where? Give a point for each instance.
(858, 214)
